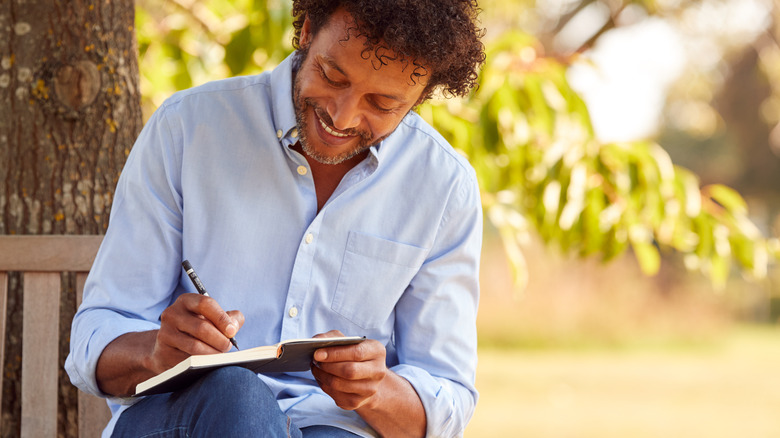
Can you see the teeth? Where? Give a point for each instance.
(331, 131)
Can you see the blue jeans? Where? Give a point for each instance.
(227, 402)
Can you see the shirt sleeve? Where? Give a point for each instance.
(134, 274)
(435, 334)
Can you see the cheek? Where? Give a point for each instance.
(307, 85)
(383, 126)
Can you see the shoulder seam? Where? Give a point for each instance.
(439, 140)
(209, 87)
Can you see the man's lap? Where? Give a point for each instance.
(213, 407)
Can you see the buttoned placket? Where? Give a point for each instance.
(299, 288)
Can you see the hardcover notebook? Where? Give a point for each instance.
(286, 356)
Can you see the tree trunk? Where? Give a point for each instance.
(69, 113)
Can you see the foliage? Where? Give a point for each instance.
(525, 130)
(529, 136)
(183, 43)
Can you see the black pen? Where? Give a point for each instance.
(199, 286)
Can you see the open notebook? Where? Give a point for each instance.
(286, 356)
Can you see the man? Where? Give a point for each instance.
(313, 201)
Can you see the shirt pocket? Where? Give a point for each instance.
(374, 274)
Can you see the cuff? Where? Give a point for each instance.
(86, 347)
(448, 404)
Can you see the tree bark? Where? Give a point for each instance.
(69, 113)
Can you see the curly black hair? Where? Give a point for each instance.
(441, 38)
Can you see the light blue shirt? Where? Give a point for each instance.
(393, 255)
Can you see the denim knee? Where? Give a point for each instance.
(234, 385)
(235, 401)
(227, 402)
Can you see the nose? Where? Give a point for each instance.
(344, 111)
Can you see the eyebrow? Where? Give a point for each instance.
(332, 64)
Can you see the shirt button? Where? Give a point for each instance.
(309, 238)
(293, 312)
(302, 170)
(294, 133)
(279, 133)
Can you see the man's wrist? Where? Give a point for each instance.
(395, 409)
(125, 362)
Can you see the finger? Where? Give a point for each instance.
(204, 331)
(330, 334)
(176, 345)
(211, 310)
(347, 394)
(368, 350)
(334, 384)
(190, 333)
(166, 354)
(350, 370)
(238, 317)
(186, 316)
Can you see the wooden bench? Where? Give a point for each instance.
(41, 259)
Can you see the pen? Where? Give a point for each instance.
(199, 286)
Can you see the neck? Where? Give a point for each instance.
(328, 176)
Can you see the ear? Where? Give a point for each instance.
(305, 38)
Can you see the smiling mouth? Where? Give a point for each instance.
(330, 130)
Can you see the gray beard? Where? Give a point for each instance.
(324, 159)
(300, 108)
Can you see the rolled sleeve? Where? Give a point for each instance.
(135, 270)
(92, 332)
(448, 405)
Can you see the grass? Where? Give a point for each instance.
(592, 350)
(729, 389)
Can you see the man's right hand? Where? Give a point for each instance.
(193, 324)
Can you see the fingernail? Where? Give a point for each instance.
(320, 355)
(231, 330)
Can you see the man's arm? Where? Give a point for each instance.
(193, 324)
(357, 378)
(434, 335)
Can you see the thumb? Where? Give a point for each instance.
(236, 321)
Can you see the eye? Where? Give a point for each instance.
(325, 77)
(383, 105)
(382, 109)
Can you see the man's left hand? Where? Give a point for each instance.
(352, 374)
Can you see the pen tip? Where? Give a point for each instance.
(186, 265)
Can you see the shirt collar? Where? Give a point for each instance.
(282, 97)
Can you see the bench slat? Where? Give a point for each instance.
(40, 345)
(41, 259)
(48, 253)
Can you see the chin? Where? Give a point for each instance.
(330, 157)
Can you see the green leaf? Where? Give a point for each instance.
(719, 271)
(648, 257)
(543, 116)
(729, 198)
(744, 251)
(238, 52)
(595, 203)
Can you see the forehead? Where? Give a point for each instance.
(341, 43)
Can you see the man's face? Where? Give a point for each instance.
(343, 104)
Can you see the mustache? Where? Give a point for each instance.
(323, 115)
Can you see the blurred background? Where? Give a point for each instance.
(629, 156)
